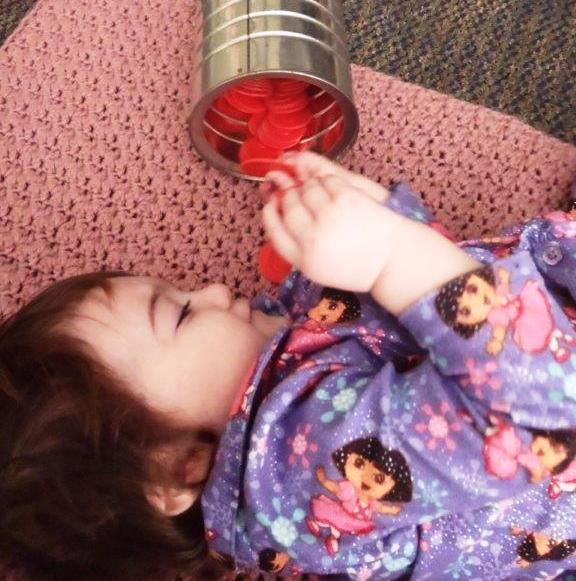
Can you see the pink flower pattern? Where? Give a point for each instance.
(480, 376)
(300, 445)
(260, 445)
(438, 426)
(373, 339)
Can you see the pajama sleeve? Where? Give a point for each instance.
(343, 463)
(502, 336)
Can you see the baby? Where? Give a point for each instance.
(406, 407)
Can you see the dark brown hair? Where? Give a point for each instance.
(557, 550)
(351, 303)
(563, 438)
(75, 455)
(449, 295)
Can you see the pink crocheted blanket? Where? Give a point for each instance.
(97, 170)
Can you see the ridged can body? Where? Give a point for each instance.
(247, 40)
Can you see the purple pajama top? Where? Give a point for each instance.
(437, 445)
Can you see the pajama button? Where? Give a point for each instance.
(552, 254)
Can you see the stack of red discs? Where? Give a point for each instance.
(268, 116)
(279, 118)
(272, 266)
(258, 120)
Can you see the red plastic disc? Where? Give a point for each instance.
(293, 120)
(289, 103)
(245, 103)
(261, 166)
(286, 86)
(254, 149)
(271, 265)
(255, 122)
(279, 138)
(223, 106)
(225, 125)
(256, 88)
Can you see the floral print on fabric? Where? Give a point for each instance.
(439, 445)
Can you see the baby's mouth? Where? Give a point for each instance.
(241, 308)
(365, 486)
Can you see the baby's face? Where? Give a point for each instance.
(185, 353)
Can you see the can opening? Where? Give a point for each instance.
(262, 118)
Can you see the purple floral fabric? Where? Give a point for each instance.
(441, 445)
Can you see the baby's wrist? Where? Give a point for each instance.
(421, 260)
(392, 230)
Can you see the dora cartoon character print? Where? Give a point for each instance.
(556, 450)
(471, 300)
(539, 547)
(335, 306)
(550, 453)
(375, 479)
(272, 561)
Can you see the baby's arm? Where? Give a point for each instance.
(334, 228)
(422, 260)
(338, 233)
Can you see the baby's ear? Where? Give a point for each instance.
(170, 501)
(188, 466)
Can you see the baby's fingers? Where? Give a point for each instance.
(276, 180)
(335, 186)
(315, 197)
(277, 233)
(308, 164)
(298, 220)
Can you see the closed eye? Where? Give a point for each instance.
(183, 314)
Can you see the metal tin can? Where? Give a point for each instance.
(244, 40)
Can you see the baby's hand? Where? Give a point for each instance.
(332, 227)
(307, 165)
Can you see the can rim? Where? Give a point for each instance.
(208, 153)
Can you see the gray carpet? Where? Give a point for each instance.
(515, 56)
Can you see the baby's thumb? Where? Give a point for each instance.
(371, 188)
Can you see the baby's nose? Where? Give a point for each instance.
(218, 295)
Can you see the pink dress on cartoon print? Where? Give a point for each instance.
(503, 453)
(309, 337)
(345, 514)
(529, 315)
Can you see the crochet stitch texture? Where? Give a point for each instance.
(97, 170)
